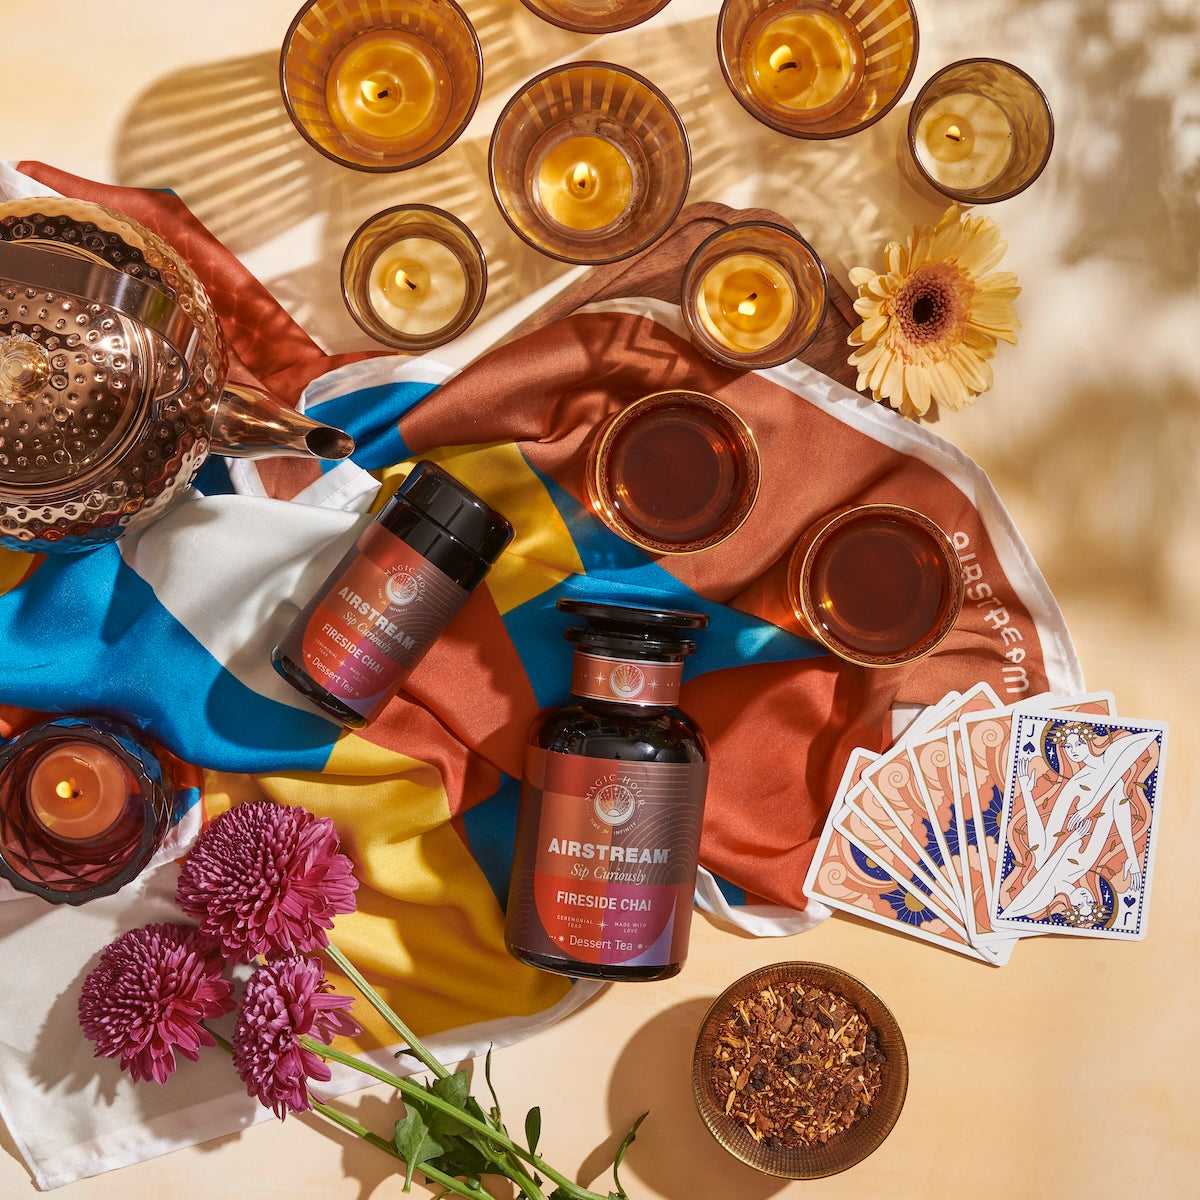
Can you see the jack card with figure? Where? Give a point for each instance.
(1079, 825)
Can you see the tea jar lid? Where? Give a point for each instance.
(440, 497)
(646, 629)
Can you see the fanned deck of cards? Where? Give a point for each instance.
(985, 823)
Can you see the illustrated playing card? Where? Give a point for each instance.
(893, 778)
(871, 813)
(1078, 824)
(977, 916)
(845, 877)
(986, 742)
(933, 765)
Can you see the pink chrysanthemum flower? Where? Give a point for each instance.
(267, 879)
(146, 997)
(284, 1001)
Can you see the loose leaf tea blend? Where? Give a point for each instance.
(796, 1064)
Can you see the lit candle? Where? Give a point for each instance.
(746, 302)
(388, 88)
(964, 141)
(77, 790)
(806, 60)
(417, 286)
(585, 182)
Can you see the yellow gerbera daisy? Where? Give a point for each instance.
(932, 319)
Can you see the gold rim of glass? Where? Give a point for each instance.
(800, 566)
(609, 513)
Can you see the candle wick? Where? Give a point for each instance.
(748, 308)
(384, 93)
(783, 59)
(954, 133)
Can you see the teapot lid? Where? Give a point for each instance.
(76, 373)
(65, 397)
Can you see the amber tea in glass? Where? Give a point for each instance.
(674, 472)
(878, 584)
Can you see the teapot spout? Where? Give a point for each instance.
(250, 423)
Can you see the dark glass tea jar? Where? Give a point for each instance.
(612, 801)
(385, 604)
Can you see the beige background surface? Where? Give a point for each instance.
(1073, 1069)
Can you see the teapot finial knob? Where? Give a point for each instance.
(24, 368)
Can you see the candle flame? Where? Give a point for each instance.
(581, 176)
(954, 133)
(782, 58)
(373, 91)
(66, 789)
(748, 307)
(403, 279)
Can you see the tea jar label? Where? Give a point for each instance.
(384, 608)
(605, 862)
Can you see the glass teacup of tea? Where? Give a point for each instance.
(674, 472)
(877, 584)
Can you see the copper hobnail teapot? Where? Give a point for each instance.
(113, 379)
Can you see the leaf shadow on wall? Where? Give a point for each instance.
(1134, 137)
(1114, 459)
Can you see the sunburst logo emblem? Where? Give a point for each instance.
(626, 680)
(403, 587)
(614, 803)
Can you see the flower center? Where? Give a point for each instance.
(933, 305)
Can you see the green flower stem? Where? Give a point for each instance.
(347, 1122)
(419, 1095)
(511, 1167)
(414, 1043)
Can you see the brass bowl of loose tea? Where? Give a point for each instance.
(800, 1070)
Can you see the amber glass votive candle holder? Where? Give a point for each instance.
(414, 277)
(674, 472)
(381, 85)
(979, 131)
(754, 295)
(84, 804)
(595, 16)
(817, 68)
(589, 162)
(879, 585)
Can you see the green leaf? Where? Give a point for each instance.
(463, 1156)
(415, 1144)
(630, 1138)
(533, 1128)
(454, 1089)
(463, 1151)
